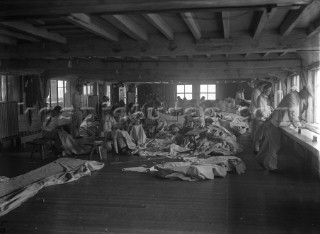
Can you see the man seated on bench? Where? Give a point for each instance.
(53, 129)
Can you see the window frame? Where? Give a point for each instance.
(316, 104)
(66, 91)
(208, 92)
(182, 95)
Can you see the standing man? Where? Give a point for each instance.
(284, 115)
(76, 112)
(254, 105)
(263, 113)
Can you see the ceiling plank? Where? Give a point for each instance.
(291, 20)
(225, 24)
(15, 9)
(18, 35)
(314, 27)
(85, 22)
(192, 23)
(29, 28)
(157, 21)
(7, 40)
(246, 55)
(128, 26)
(259, 20)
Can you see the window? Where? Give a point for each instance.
(136, 94)
(208, 91)
(59, 94)
(88, 89)
(3, 88)
(184, 91)
(317, 97)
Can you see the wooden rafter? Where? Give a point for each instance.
(192, 23)
(157, 21)
(128, 26)
(225, 24)
(291, 20)
(39, 32)
(259, 20)
(314, 27)
(85, 22)
(18, 35)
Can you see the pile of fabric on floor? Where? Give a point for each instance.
(199, 156)
(194, 168)
(15, 191)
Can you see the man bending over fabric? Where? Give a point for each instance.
(284, 115)
(63, 142)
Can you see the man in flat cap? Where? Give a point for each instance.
(286, 114)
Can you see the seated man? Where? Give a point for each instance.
(63, 141)
(111, 130)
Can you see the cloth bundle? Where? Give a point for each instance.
(15, 191)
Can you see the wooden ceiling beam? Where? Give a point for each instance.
(158, 22)
(242, 43)
(84, 21)
(160, 65)
(18, 35)
(259, 20)
(313, 28)
(192, 23)
(291, 20)
(39, 32)
(15, 9)
(167, 74)
(225, 24)
(128, 26)
(7, 40)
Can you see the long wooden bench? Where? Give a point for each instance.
(310, 152)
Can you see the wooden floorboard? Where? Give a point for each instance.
(112, 201)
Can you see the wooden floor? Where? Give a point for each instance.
(112, 201)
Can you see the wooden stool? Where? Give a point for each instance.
(40, 142)
(95, 146)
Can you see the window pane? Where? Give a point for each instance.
(188, 89)
(203, 88)
(61, 97)
(181, 95)
(54, 95)
(205, 95)
(188, 96)
(212, 88)
(212, 96)
(60, 83)
(180, 88)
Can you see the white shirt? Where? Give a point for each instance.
(263, 110)
(76, 100)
